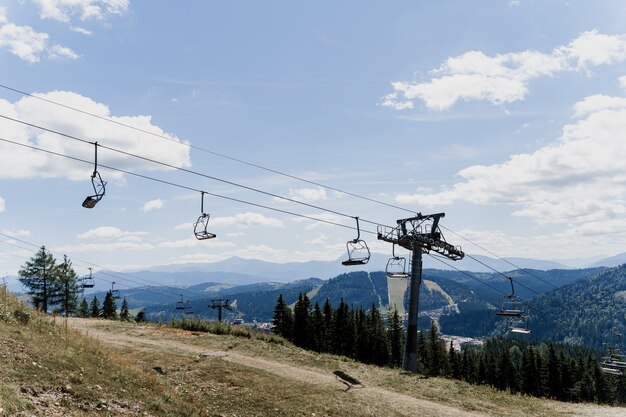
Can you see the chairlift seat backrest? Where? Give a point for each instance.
(200, 228)
(358, 253)
(396, 267)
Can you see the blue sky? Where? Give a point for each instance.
(506, 115)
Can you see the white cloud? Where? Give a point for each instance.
(108, 232)
(62, 10)
(597, 103)
(309, 195)
(318, 240)
(245, 220)
(503, 78)
(579, 178)
(23, 41)
(3, 206)
(622, 81)
(27, 43)
(17, 162)
(192, 242)
(58, 51)
(101, 247)
(326, 220)
(152, 205)
(17, 233)
(81, 30)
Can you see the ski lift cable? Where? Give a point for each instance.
(465, 273)
(504, 275)
(502, 259)
(241, 185)
(133, 280)
(122, 284)
(188, 171)
(258, 166)
(205, 150)
(173, 184)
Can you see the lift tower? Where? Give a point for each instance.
(419, 234)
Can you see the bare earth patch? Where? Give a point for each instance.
(269, 378)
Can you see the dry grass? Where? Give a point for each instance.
(129, 369)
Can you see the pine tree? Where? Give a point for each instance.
(282, 319)
(68, 287)
(453, 359)
(378, 342)
(554, 374)
(530, 373)
(40, 278)
(301, 321)
(317, 330)
(95, 307)
(109, 309)
(83, 311)
(395, 333)
(124, 313)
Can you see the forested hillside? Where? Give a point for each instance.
(591, 311)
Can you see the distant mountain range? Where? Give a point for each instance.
(237, 271)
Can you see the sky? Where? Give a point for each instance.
(509, 116)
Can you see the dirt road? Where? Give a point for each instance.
(163, 342)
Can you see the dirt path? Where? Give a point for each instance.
(154, 340)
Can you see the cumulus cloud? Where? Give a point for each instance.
(17, 233)
(325, 217)
(152, 205)
(503, 78)
(309, 195)
(18, 162)
(245, 220)
(2, 205)
(63, 10)
(27, 43)
(580, 178)
(109, 232)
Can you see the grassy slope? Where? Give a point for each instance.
(113, 373)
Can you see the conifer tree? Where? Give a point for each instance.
(317, 330)
(83, 310)
(395, 334)
(379, 343)
(342, 329)
(301, 321)
(282, 319)
(95, 307)
(554, 374)
(109, 309)
(124, 313)
(68, 287)
(530, 373)
(40, 278)
(453, 359)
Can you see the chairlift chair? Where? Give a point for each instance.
(88, 282)
(98, 184)
(358, 252)
(512, 306)
(396, 266)
(180, 305)
(114, 293)
(200, 226)
(188, 309)
(519, 326)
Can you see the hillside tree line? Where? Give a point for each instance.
(558, 371)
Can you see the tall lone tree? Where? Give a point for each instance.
(68, 287)
(124, 313)
(39, 276)
(109, 309)
(95, 307)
